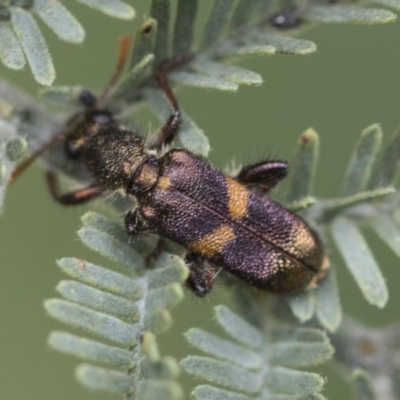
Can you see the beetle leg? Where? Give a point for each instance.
(202, 274)
(72, 198)
(264, 175)
(135, 224)
(171, 128)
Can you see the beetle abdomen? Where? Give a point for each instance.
(235, 227)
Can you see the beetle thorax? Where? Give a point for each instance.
(113, 155)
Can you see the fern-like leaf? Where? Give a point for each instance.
(255, 23)
(21, 37)
(127, 310)
(365, 200)
(368, 358)
(253, 364)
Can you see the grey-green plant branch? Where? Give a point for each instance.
(262, 350)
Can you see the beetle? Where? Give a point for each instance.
(223, 221)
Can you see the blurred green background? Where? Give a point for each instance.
(352, 81)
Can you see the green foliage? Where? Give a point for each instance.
(21, 38)
(254, 364)
(360, 261)
(362, 161)
(341, 217)
(347, 14)
(16, 148)
(126, 310)
(262, 350)
(362, 385)
(368, 358)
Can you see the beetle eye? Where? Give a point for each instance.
(153, 161)
(133, 188)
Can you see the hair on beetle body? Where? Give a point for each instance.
(223, 221)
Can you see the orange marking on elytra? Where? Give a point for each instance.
(214, 242)
(238, 199)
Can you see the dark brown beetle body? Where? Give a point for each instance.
(223, 222)
(217, 218)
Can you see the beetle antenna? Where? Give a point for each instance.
(124, 45)
(28, 162)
